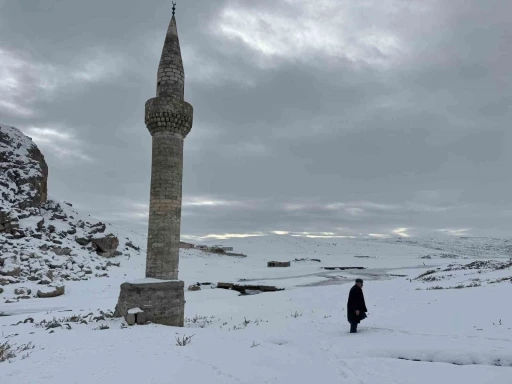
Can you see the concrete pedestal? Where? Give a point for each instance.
(163, 301)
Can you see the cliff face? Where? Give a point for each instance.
(23, 171)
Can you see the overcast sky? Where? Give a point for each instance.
(337, 117)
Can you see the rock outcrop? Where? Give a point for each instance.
(23, 171)
(106, 246)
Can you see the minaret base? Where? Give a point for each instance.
(160, 301)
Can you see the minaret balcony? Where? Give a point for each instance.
(169, 115)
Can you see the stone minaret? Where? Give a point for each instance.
(169, 120)
(160, 297)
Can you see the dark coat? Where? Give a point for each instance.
(356, 303)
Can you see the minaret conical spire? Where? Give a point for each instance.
(171, 76)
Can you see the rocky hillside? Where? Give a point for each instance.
(44, 243)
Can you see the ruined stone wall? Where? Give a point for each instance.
(162, 302)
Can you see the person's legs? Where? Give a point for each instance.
(353, 327)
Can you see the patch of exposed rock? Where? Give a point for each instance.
(23, 171)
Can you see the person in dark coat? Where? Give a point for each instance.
(356, 306)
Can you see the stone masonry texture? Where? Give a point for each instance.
(169, 119)
(162, 303)
(171, 77)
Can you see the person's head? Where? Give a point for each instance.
(359, 283)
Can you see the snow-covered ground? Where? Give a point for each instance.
(444, 326)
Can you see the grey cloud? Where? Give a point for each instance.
(416, 123)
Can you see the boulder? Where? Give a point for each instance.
(44, 280)
(106, 246)
(58, 263)
(83, 241)
(50, 274)
(18, 234)
(53, 290)
(113, 264)
(59, 216)
(22, 291)
(97, 228)
(130, 318)
(10, 270)
(194, 288)
(8, 222)
(71, 231)
(4, 280)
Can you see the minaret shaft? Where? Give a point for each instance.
(162, 259)
(169, 120)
